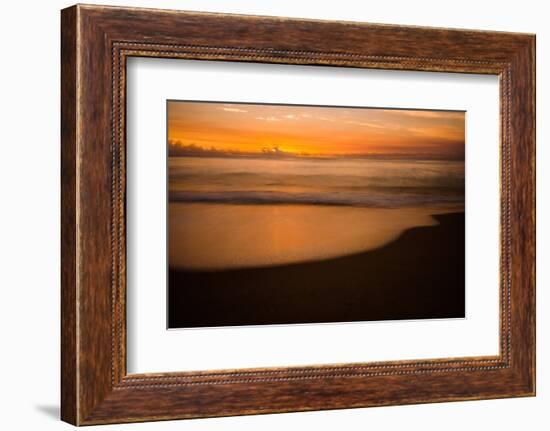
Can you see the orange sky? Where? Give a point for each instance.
(249, 128)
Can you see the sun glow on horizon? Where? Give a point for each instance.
(204, 128)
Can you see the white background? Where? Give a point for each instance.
(29, 227)
(151, 348)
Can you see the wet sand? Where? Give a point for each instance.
(418, 275)
(221, 236)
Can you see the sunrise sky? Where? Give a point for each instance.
(315, 131)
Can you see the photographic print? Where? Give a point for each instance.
(286, 214)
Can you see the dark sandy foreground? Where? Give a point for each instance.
(420, 275)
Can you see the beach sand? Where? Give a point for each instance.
(213, 237)
(415, 274)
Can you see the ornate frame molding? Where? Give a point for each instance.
(96, 41)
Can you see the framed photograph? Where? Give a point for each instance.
(297, 214)
(263, 214)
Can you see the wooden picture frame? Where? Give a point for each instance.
(95, 43)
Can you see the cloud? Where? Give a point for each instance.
(271, 118)
(233, 109)
(366, 124)
(278, 118)
(179, 149)
(440, 114)
(330, 120)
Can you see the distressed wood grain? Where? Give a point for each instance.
(95, 43)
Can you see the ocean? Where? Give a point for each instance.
(252, 212)
(376, 183)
